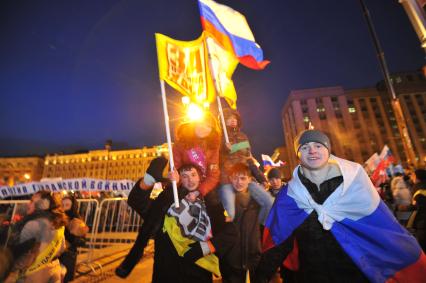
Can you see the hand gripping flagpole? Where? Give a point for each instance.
(169, 140)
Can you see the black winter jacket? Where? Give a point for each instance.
(245, 253)
(168, 265)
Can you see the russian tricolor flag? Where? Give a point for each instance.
(231, 30)
(268, 162)
(362, 224)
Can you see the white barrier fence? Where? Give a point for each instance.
(113, 227)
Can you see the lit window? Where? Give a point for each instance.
(351, 109)
(306, 119)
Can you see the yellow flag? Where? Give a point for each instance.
(184, 66)
(209, 262)
(223, 65)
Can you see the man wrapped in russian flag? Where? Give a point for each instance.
(329, 225)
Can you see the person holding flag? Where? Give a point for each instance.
(238, 151)
(198, 142)
(189, 239)
(330, 224)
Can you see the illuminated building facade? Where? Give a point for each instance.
(103, 164)
(16, 170)
(359, 121)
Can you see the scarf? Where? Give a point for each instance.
(192, 219)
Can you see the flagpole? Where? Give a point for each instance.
(222, 119)
(169, 140)
(396, 106)
(219, 104)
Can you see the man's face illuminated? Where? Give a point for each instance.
(190, 179)
(240, 182)
(275, 183)
(313, 155)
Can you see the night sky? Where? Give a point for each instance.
(76, 73)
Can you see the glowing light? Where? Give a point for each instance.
(185, 100)
(206, 105)
(27, 176)
(194, 112)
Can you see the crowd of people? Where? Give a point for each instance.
(327, 224)
(405, 195)
(42, 246)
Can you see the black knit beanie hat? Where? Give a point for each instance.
(274, 173)
(311, 136)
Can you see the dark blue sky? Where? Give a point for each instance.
(76, 73)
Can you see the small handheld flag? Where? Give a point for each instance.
(267, 162)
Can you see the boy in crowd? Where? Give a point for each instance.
(245, 253)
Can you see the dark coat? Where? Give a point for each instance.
(168, 265)
(419, 224)
(245, 253)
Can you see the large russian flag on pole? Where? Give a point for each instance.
(231, 30)
(362, 224)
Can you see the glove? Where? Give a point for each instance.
(156, 168)
(194, 253)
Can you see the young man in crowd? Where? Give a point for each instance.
(331, 226)
(185, 248)
(245, 253)
(275, 181)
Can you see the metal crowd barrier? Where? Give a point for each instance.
(113, 227)
(10, 210)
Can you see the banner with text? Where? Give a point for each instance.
(78, 184)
